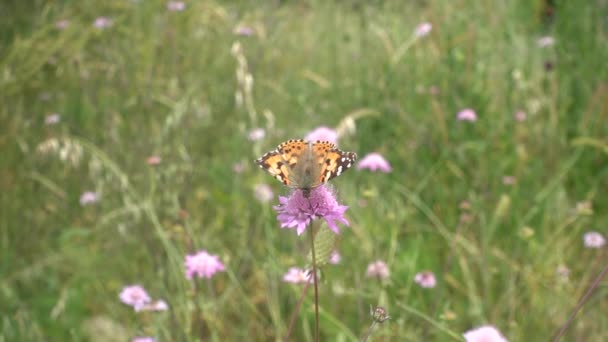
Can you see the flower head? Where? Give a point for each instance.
(379, 314)
(594, 240)
(52, 119)
(62, 24)
(238, 167)
(244, 31)
(297, 275)
(297, 211)
(102, 22)
(509, 180)
(176, 6)
(374, 162)
(378, 269)
(546, 41)
(426, 279)
(323, 133)
(520, 116)
(143, 339)
(256, 134)
(335, 258)
(484, 334)
(203, 265)
(153, 160)
(159, 305)
(467, 114)
(89, 197)
(135, 296)
(423, 29)
(263, 192)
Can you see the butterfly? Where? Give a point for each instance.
(305, 165)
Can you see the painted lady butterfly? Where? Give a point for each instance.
(305, 165)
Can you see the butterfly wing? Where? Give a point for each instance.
(332, 161)
(273, 163)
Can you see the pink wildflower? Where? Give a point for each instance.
(297, 211)
(256, 134)
(135, 296)
(467, 114)
(263, 193)
(520, 116)
(143, 339)
(378, 269)
(484, 334)
(426, 279)
(423, 29)
(62, 24)
(102, 22)
(176, 6)
(52, 119)
(323, 133)
(244, 31)
(546, 41)
(593, 240)
(153, 160)
(89, 197)
(335, 258)
(203, 265)
(374, 162)
(297, 275)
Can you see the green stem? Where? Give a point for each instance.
(314, 275)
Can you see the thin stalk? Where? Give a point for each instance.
(369, 332)
(581, 302)
(314, 277)
(296, 311)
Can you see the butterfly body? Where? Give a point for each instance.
(305, 165)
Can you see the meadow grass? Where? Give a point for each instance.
(184, 86)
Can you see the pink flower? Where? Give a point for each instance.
(335, 258)
(484, 334)
(263, 193)
(297, 275)
(323, 133)
(256, 134)
(238, 167)
(159, 305)
(176, 6)
(593, 240)
(52, 119)
(378, 269)
(467, 114)
(509, 180)
(425, 279)
(143, 339)
(89, 197)
(153, 160)
(423, 29)
(520, 116)
(62, 24)
(102, 22)
(297, 211)
(203, 265)
(374, 162)
(135, 296)
(465, 205)
(244, 31)
(546, 41)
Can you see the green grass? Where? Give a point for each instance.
(163, 83)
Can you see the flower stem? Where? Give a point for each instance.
(295, 313)
(314, 277)
(369, 332)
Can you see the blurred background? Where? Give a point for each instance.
(128, 130)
